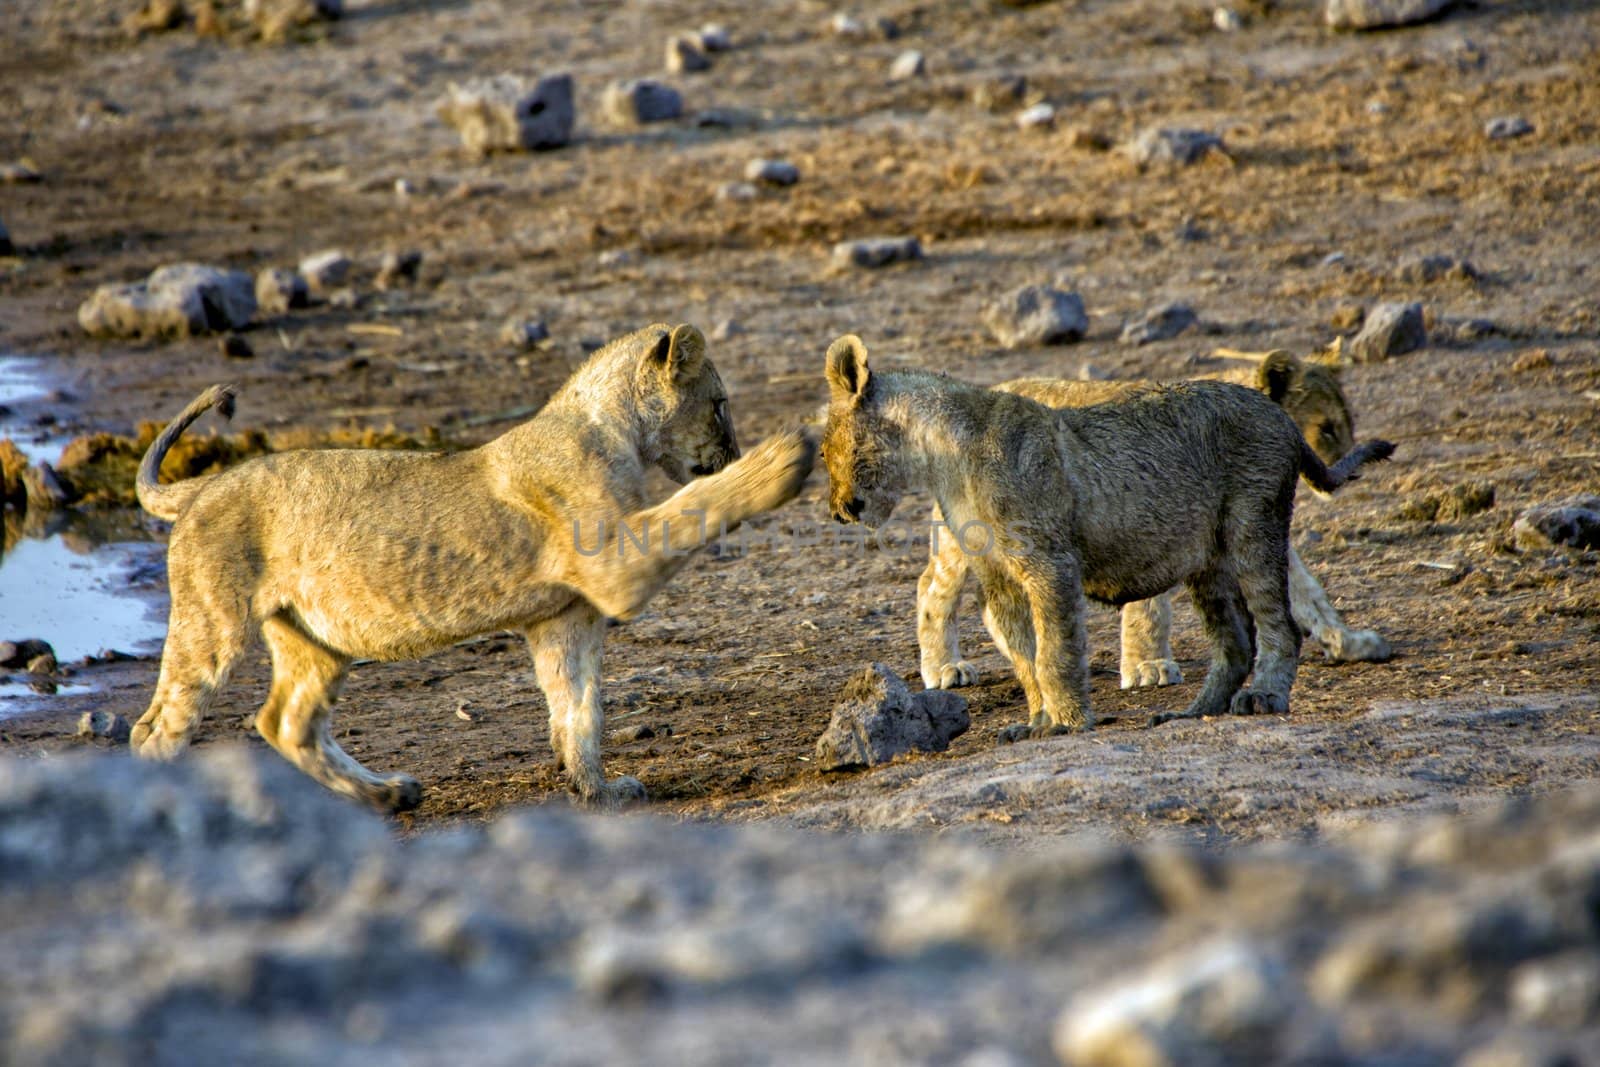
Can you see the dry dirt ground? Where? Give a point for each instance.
(174, 148)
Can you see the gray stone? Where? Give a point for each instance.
(1377, 14)
(878, 718)
(686, 55)
(17, 654)
(325, 271)
(1223, 1002)
(772, 171)
(1570, 523)
(1389, 330)
(1000, 92)
(1425, 269)
(175, 301)
(1505, 127)
(1226, 20)
(507, 114)
(725, 329)
(1561, 990)
(736, 192)
(112, 727)
(279, 290)
(1172, 144)
(844, 24)
(907, 65)
(640, 101)
(1163, 323)
(1037, 315)
(876, 251)
(523, 334)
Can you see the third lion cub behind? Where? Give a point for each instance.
(1192, 482)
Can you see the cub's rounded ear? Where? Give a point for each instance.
(1276, 372)
(688, 348)
(1333, 358)
(847, 366)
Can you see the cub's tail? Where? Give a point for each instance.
(168, 501)
(1326, 479)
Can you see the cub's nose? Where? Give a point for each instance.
(851, 512)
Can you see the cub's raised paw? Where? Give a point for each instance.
(1258, 702)
(1356, 646)
(1151, 672)
(950, 675)
(401, 792)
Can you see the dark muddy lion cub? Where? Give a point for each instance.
(334, 555)
(1191, 482)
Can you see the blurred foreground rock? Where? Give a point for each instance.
(225, 909)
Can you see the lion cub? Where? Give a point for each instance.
(335, 555)
(1307, 389)
(1192, 482)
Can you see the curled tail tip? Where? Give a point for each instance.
(220, 398)
(1379, 451)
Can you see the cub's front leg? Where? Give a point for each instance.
(938, 607)
(566, 660)
(1315, 615)
(1057, 645)
(1147, 643)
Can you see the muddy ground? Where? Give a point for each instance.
(1368, 149)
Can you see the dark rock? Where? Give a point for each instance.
(878, 718)
(640, 101)
(326, 271)
(398, 268)
(1505, 127)
(686, 55)
(508, 114)
(175, 301)
(714, 37)
(17, 654)
(1426, 269)
(6, 247)
(1379, 14)
(523, 334)
(1163, 323)
(772, 171)
(1570, 523)
(876, 251)
(1000, 92)
(235, 347)
(112, 727)
(1037, 315)
(1389, 330)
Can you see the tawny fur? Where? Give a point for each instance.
(1307, 389)
(335, 555)
(1191, 482)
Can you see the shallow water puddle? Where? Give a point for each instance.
(23, 383)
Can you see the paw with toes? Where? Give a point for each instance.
(953, 675)
(1258, 702)
(1151, 672)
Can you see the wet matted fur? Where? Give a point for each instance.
(1191, 482)
(337, 555)
(1308, 389)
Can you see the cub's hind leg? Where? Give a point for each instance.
(1220, 605)
(297, 719)
(1317, 617)
(207, 634)
(938, 608)
(1261, 561)
(566, 659)
(1147, 643)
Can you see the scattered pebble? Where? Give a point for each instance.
(1532, 360)
(772, 171)
(844, 24)
(1036, 315)
(405, 188)
(1389, 330)
(736, 192)
(878, 718)
(876, 251)
(467, 713)
(1000, 92)
(1425, 269)
(1377, 14)
(506, 113)
(1570, 523)
(523, 334)
(1039, 116)
(105, 724)
(1089, 372)
(628, 734)
(714, 37)
(1226, 20)
(1087, 138)
(1172, 144)
(725, 329)
(1506, 127)
(617, 257)
(235, 347)
(325, 271)
(907, 65)
(279, 290)
(398, 268)
(686, 54)
(18, 174)
(1163, 323)
(639, 101)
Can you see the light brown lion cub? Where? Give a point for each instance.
(1192, 482)
(335, 555)
(1307, 389)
